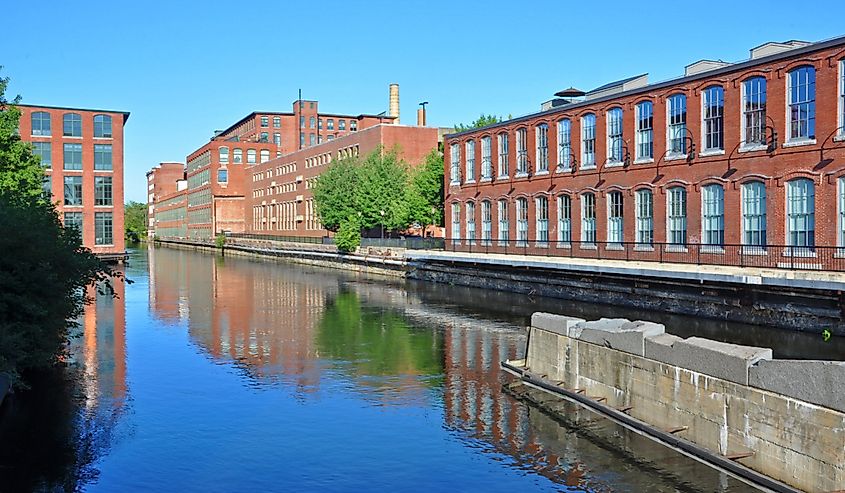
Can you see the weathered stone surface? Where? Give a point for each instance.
(719, 359)
(619, 333)
(559, 324)
(659, 347)
(819, 382)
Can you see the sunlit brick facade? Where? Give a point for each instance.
(735, 163)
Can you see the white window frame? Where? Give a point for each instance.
(644, 205)
(754, 220)
(809, 101)
(470, 222)
(676, 126)
(841, 121)
(455, 167)
(588, 141)
(564, 220)
(503, 145)
(486, 158)
(676, 224)
(486, 222)
(713, 122)
(541, 219)
(456, 223)
(615, 219)
(521, 152)
(753, 112)
(713, 216)
(797, 212)
(588, 224)
(504, 225)
(469, 158)
(564, 145)
(615, 144)
(521, 221)
(645, 132)
(840, 201)
(541, 137)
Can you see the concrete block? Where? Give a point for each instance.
(817, 382)
(619, 333)
(659, 348)
(559, 324)
(719, 359)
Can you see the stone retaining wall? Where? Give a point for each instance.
(732, 399)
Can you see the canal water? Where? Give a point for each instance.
(222, 375)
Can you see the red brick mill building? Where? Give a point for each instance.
(739, 164)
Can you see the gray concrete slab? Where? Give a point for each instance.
(619, 333)
(559, 324)
(819, 382)
(719, 359)
(660, 348)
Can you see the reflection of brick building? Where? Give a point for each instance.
(82, 152)
(734, 158)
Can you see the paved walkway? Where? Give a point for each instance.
(712, 273)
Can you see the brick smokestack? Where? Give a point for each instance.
(394, 101)
(421, 116)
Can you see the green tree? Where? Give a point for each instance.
(381, 191)
(135, 220)
(335, 191)
(348, 236)
(425, 192)
(44, 269)
(482, 121)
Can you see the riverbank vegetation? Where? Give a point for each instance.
(44, 269)
(379, 193)
(135, 221)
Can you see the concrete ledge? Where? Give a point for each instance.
(819, 382)
(619, 333)
(559, 324)
(719, 359)
(659, 347)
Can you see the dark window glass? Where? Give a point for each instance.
(103, 228)
(41, 123)
(73, 156)
(44, 152)
(73, 190)
(73, 220)
(103, 190)
(102, 157)
(72, 125)
(102, 126)
(265, 121)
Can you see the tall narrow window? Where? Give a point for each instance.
(223, 176)
(103, 157)
(265, 155)
(238, 156)
(645, 131)
(588, 218)
(44, 151)
(841, 221)
(73, 190)
(103, 190)
(471, 223)
(455, 168)
(754, 214)
(521, 222)
(645, 217)
(564, 219)
(73, 157)
(486, 222)
(504, 232)
(41, 124)
(713, 215)
(71, 125)
(277, 121)
(470, 161)
(265, 121)
(614, 136)
(615, 217)
(277, 138)
(223, 155)
(341, 124)
(676, 125)
(713, 112)
(564, 145)
(588, 141)
(754, 111)
(486, 158)
(312, 122)
(250, 156)
(503, 154)
(102, 126)
(676, 216)
(542, 138)
(103, 232)
(456, 223)
(802, 104)
(841, 97)
(801, 213)
(521, 152)
(541, 204)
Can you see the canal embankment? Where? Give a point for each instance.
(784, 419)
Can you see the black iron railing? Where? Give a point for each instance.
(830, 258)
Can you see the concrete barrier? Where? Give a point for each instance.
(719, 359)
(619, 333)
(659, 347)
(819, 382)
(558, 324)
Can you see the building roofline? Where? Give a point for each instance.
(124, 113)
(735, 67)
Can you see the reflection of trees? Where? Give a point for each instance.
(376, 341)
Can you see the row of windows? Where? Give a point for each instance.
(274, 189)
(71, 125)
(238, 155)
(341, 124)
(200, 216)
(171, 201)
(72, 156)
(200, 197)
(322, 159)
(800, 128)
(199, 179)
(800, 217)
(103, 226)
(277, 121)
(198, 162)
(279, 217)
(103, 190)
(175, 214)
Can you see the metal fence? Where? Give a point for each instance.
(765, 256)
(293, 239)
(409, 243)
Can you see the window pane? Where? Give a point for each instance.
(44, 152)
(103, 190)
(73, 191)
(73, 156)
(41, 123)
(103, 228)
(102, 126)
(72, 125)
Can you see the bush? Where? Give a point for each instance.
(348, 236)
(220, 240)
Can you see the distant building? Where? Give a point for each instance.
(166, 186)
(82, 153)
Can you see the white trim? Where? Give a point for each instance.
(644, 160)
(751, 148)
(712, 152)
(799, 142)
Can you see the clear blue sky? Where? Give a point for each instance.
(184, 69)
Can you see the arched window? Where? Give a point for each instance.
(588, 141)
(713, 113)
(541, 211)
(521, 152)
(564, 145)
(588, 218)
(223, 155)
(615, 218)
(503, 154)
(238, 156)
(614, 135)
(470, 222)
(801, 96)
(645, 130)
(265, 155)
(542, 140)
(564, 220)
(645, 217)
(521, 221)
(754, 111)
(486, 222)
(713, 215)
(250, 156)
(486, 158)
(801, 213)
(470, 162)
(102, 126)
(312, 122)
(455, 167)
(456, 223)
(676, 125)
(71, 125)
(676, 216)
(503, 222)
(41, 123)
(754, 214)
